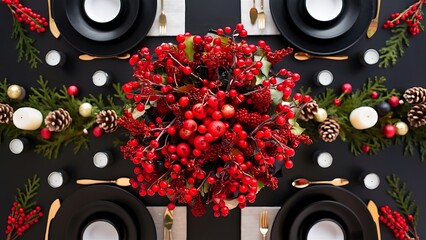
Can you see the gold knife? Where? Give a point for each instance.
(373, 25)
(375, 214)
(168, 223)
(52, 24)
(52, 213)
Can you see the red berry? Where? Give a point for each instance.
(201, 143)
(190, 125)
(347, 88)
(45, 133)
(337, 102)
(228, 111)
(365, 148)
(183, 101)
(217, 128)
(183, 150)
(72, 90)
(374, 95)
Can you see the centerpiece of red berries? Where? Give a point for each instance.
(210, 120)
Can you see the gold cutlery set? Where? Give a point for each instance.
(256, 15)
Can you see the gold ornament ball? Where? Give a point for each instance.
(401, 128)
(85, 109)
(16, 92)
(320, 115)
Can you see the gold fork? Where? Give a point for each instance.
(264, 223)
(162, 19)
(261, 16)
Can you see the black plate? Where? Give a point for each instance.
(146, 16)
(319, 46)
(85, 196)
(106, 210)
(101, 31)
(291, 209)
(328, 29)
(326, 210)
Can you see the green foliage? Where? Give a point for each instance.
(402, 197)
(394, 46)
(25, 197)
(46, 99)
(25, 46)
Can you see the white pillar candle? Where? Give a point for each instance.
(16, 92)
(324, 159)
(17, 145)
(55, 58)
(27, 118)
(323, 78)
(57, 178)
(101, 159)
(370, 57)
(101, 78)
(371, 181)
(363, 117)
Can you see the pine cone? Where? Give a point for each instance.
(107, 120)
(329, 130)
(308, 111)
(6, 113)
(415, 95)
(58, 120)
(417, 115)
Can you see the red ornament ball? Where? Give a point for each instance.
(97, 131)
(393, 101)
(389, 130)
(374, 95)
(347, 88)
(365, 148)
(45, 133)
(72, 90)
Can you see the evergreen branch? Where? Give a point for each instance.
(402, 197)
(25, 45)
(3, 91)
(25, 196)
(394, 46)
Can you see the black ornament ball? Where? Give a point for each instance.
(383, 108)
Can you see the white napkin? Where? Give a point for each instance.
(175, 14)
(250, 217)
(179, 222)
(253, 29)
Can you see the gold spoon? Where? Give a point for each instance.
(302, 56)
(253, 13)
(122, 182)
(302, 182)
(87, 57)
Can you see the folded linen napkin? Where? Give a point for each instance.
(175, 14)
(179, 222)
(250, 217)
(253, 29)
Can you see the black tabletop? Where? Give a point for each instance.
(200, 16)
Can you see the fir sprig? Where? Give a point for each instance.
(25, 197)
(402, 197)
(25, 45)
(394, 46)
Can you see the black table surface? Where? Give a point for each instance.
(201, 16)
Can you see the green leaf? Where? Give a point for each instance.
(266, 67)
(296, 129)
(25, 45)
(189, 49)
(24, 197)
(394, 46)
(276, 97)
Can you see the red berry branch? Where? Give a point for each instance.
(400, 23)
(36, 23)
(209, 120)
(24, 212)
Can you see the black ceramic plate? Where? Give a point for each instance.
(328, 29)
(105, 210)
(101, 31)
(319, 46)
(330, 210)
(145, 18)
(292, 208)
(87, 195)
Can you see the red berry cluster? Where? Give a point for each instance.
(412, 16)
(203, 125)
(397, 223)
(24, 14)
(19, 220)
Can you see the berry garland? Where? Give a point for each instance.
(25, 46)
(208, 122)
(403, 224)
(24, 212)
(409, 21)
(393, 126)
(49, 101)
